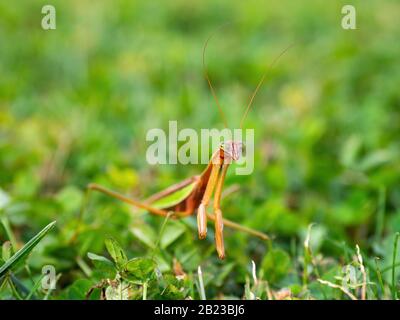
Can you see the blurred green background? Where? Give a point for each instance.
(76, 104)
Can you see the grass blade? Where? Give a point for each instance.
(201, 284)
(36, 286)
(380, 216)
(363, 272)
(394, 289)
(25, 250)
(10, 235)
(379, 275)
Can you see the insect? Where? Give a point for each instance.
(195, 193)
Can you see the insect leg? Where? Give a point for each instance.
(202, 210)
(239, 227)
(141, 205)
(219, 224)
(95, 187)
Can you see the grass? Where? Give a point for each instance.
(76, 104)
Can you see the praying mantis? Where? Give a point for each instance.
(195, 193)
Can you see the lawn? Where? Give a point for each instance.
(77, 102)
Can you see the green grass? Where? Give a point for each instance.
(76, 104)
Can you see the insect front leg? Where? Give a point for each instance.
(202, 210)
(219, 224)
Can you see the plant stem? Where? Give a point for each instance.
(145, 290)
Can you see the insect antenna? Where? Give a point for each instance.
(260, 84)
(210, 84)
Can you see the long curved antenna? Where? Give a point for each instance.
(261, 82)
(210, 84)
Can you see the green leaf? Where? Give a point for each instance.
(275, 265)
(4, 199)
(102, 264)
(350, 150)
(119, 292)
(116, 252)
(124, 178)
(171, 232)
(25, 250)
(173, 290)
(96, 258)
(145, 234)
(140, 269)
(6, 250)
(377, 158)
(223, 273)
(78, 290)
(70, 199)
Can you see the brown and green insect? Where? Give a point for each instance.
(194, 194)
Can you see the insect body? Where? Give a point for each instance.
(194, 194)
